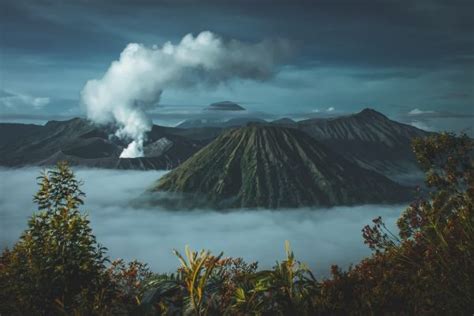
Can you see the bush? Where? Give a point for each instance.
(57, 264)
(429, 266)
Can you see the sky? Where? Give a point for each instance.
(411, 60)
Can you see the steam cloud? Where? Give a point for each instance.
(134, 83)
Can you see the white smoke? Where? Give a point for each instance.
(134, 83)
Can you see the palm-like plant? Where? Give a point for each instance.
(287, 289)
(195, 271)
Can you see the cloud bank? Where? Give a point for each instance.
(439, 120)
(319, 237)
(133, 84)
(417, 111)
(13, 101)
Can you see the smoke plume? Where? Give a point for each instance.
(133, 84)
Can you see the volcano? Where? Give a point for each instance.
(262, 166)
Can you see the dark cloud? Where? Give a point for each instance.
(337, 32)
(5, 94)
(377, 75)
(456, 95)
(395, 55)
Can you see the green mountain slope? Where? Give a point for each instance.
(273, 167)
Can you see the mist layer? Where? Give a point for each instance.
(319, 237)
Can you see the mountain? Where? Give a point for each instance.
(369, 139)
(220, 123)
(241, 121)
(12, 132)
(216, 119)
(203, 134)
(285, 122)
(225, 106)
(83, 143)
(271, 167)
(198, 123)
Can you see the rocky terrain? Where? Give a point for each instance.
(85, 144)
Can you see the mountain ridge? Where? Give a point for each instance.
(84, 143)
(367, 138)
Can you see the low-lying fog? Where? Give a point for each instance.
(319, 237)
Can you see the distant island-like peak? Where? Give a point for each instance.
(225, 106)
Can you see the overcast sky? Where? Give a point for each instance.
(412, 60)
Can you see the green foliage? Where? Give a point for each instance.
(195, 270)
(434, 251)
(128, 280)
(57, 264)
(427, 267)
(288, 289)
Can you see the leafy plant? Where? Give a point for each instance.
(57, 264)
(195, 270)
(435, 245)
(289, 288)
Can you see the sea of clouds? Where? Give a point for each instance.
(319, 237)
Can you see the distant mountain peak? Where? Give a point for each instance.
(63, 122)
(73, 123)
(368, 112)
(285, 121)
(225, 106)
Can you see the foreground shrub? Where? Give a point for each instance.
(429, 266)
(57, 264)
